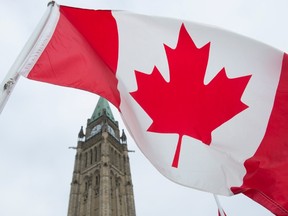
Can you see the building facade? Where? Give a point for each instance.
(101, 183)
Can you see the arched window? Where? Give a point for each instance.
(91, 156)
(95, 154)
(86, 185)
(97, 181)
(86, 159)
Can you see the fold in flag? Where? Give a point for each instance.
(207, 107)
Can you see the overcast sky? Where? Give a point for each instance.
(41, 121)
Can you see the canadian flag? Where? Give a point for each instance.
(207, 107)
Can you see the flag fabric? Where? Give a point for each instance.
(207, 107)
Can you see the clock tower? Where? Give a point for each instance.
(101, 183)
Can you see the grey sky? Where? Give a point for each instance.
(41, 121)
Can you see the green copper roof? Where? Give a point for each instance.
(99, 110)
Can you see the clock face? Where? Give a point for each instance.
(111, 131)
(96, 130)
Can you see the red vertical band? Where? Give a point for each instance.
(82, 53)
(266, 180)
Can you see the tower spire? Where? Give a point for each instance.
(102, 108)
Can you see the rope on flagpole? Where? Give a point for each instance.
(12, 76)
(219, 205)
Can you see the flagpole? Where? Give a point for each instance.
(219, 205)
(12, 76)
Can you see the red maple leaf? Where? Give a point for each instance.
(185, 105)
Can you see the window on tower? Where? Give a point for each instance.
(86, 159)
(91, 156)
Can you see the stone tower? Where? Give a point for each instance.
(101, 183)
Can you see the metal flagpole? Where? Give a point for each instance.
(12, 76)
(219, 205)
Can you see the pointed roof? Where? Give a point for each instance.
(99, 110)
(81, 133)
